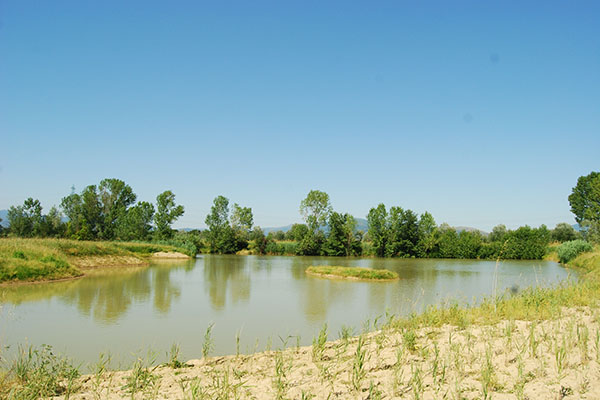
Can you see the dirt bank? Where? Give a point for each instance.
(551, 359)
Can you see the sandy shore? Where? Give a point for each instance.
(551, 359)
(170, 255)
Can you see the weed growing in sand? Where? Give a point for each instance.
(560, 356)
(319, 344)
(141, 379)
(306, 396)
(374, 392)
(100, 375)
(282, 368)
(435, 364)
(520, 384)
(583, 337)
(358, 364)
(398, 371)
(509, 328)
(40, 373)
(269, 344)
(416, 381)
(192, 389)
(346, 332)
(597, 345)
(222, 388)
(487, 374)
(533, 342)
(173, 357)
(207, 345)
(410, 340)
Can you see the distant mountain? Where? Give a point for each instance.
(459, 229)
(275, 229)
(361, 225)
(4, 216)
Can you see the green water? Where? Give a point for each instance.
(269, 300)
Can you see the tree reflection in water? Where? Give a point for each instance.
(106, 295)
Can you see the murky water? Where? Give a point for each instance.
(267, 300)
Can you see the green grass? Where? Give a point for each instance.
(530, 305)
(23, 260)
(353, 272)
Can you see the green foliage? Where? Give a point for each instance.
(403, 231)
(259, 241)
(585, 198)
(48, 259)
(564, 232)
(378, 229)
(26, 220)
(591, 231)
(311, 244)
(281, 248)
(315, 209)
(342, 240)
(498, 233)
(527, 243)
(136, 223)
(167, 212)
(297, 232)
(225, 236)
(39, 373)
(115, 196)
(569, 250)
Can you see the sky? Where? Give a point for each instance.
(480, 112)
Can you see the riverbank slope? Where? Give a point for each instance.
(33, 260)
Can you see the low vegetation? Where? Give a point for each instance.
(352, 273)
(571, 249)
(23, 260)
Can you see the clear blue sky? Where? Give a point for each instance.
(479, 112)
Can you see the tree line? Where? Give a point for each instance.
(109, 211)
(393, 232)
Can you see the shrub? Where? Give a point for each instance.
(569, 250)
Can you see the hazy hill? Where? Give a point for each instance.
(4, 216)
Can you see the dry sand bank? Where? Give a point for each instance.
(550, 359)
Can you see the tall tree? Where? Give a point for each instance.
(115, 197)
(341, 240)
(136, 223)
(241, 219)
(71, 206)
(91, 214)
(52, 224)
(585, 198)
(297, 232)
(167, 212)
(315, 209)
(378, 229)
(26, 220)
(498, 233)
(564, 232)
(221, 237)
(427, 240)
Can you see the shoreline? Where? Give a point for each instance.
(28, 261)
(513, 359)
(543, 343)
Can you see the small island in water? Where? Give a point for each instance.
(353, 273)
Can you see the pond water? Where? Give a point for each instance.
(267, 300)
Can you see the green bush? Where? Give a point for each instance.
(569, 250)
